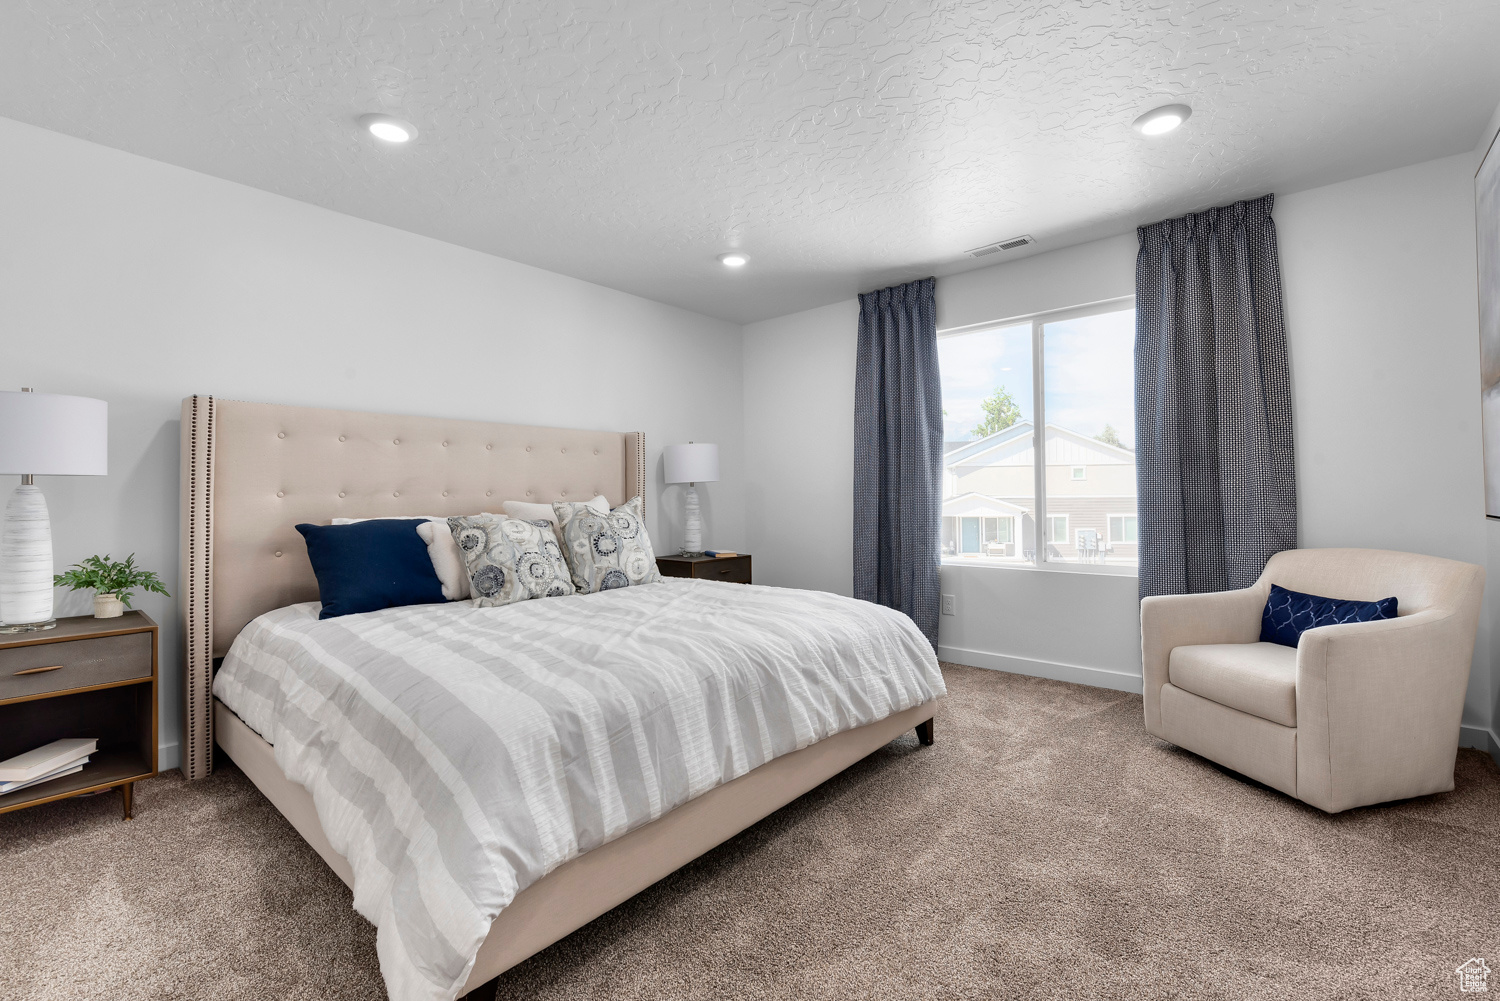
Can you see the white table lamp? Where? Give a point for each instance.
(41, 435)
(691, 463)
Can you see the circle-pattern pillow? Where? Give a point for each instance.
(510, 560)
(606, 551)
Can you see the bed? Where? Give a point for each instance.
(252, 471)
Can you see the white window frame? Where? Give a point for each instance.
(1038, 322)
(1078, 473)
(1108, 518)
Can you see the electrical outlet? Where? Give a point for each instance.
(950, 605)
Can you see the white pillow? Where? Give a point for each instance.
(447, 562)
(527, 511)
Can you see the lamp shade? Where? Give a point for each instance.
(49, 435)
(691, 463)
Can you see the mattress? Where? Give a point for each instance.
(457, 754)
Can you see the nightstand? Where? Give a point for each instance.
(87, 677)
(735, 569)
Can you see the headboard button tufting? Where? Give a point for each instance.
(278, 552)
(528, 448)
(445, 444)
(341, 438)
(281, 434)
(396, 494)
(280, 493)
(395, 441)
(341, 493)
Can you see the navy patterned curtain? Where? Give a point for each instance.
(898, 452)
(1213, 408)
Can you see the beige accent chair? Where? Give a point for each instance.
(1358, 713)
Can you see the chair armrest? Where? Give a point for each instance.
(1174, 620)
(1379, 706)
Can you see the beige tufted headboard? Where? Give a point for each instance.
(253, 471)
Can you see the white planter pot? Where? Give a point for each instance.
(108, 606)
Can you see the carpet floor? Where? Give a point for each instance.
(1045, 847)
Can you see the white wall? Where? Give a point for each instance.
(1383, 333)
(141, 283)
(1379, 277)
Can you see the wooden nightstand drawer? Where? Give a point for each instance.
(733, 569)
(82, 663)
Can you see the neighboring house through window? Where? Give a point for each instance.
(1122, 528)
(1072, 371)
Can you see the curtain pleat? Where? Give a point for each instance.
(898, 452)
(1214, 457)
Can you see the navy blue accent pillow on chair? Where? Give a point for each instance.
(1289, 614)
(381, 563)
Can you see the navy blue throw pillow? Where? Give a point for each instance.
(381, 563)
(1289, 614)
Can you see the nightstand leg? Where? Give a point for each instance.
(924, 732)
(128, 788)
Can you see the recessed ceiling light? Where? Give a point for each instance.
(389, 128)
(1164, 119)
(734, 259)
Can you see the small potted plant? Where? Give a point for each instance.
(112, 581)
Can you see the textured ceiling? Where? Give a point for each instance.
(842, 145)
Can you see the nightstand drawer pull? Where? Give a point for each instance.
(726, 570)
(38, 670)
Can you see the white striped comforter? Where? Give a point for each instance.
(458, 754)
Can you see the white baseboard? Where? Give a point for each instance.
(1481, 739)
(168, 756)
(1098, 677)
(1478, 737)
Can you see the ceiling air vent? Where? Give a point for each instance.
(1014, 243)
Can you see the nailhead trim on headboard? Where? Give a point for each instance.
(194, 588)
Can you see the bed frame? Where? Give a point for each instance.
(252, 471)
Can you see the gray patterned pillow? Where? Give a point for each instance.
(510, 560)
(606, 550)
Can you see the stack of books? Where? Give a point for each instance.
(718, 554)
(45, 763)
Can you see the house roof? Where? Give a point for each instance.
(977, 505)
(1023, 429)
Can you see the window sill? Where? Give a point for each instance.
(1097, 569)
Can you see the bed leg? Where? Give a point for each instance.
(924, 733)
(484, 992)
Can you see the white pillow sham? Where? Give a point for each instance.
(447, 562)
(527, 511)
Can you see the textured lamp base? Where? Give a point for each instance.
(28, 627)
(692, 528)
(26, 563)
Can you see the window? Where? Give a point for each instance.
(1122, 528)
(1057, 528)
(1072, 487)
